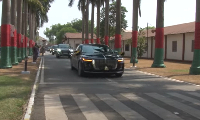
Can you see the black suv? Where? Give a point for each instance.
(53, 49)
(63, 50)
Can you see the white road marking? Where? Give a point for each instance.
(192, 111)
(53, 108)
(90, 111)
(42, 73)
(119, 107)
(162, 113)
(189, 99)
(194, 94)
(32, 98)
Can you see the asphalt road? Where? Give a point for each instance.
(63, 95)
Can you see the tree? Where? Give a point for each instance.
(195, 68)
(5, 35)
(159, 37)
(141, 45)
(60, 34)
(112, 20)
(13, 55)
(55, 30)
(118, 27)
(136, 8)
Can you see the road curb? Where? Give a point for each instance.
(32, 97)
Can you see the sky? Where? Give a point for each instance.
(175, 12)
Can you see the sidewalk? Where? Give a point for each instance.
(175, 70)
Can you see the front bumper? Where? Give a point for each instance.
(60, 53)
(87, 67)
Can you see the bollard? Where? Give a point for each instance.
(25, 67)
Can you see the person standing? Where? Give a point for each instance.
(42, 50)
(35, 52)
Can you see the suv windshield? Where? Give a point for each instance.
(64, 46)
(55, 46)
(96, 49)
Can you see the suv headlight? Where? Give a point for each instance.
(58, 50)
(120, 60)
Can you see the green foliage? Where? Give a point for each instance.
(141, 45)
(56, 32)
(112, 19)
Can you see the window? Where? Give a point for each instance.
(127, 47)
(174, 46)
(192, 46)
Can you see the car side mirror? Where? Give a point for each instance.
(76, 52)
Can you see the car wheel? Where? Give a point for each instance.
(80, 71)
(118, 74)
(57, 56)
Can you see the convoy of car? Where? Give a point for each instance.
(91, 58)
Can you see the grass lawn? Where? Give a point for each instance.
(15, 90)
(175, 70)
(13, 96)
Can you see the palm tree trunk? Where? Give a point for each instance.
(106, 37)
(92, 23)
(19, 28)
(14, 59)
(5, 35)
(83, 22)
(98, 21)
(195, 68)
(135, 32)
(23, 31)
(86, 20)
(118, 28)
(26, 24)
(30, 32)
(159, 38)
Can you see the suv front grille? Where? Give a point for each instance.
(101, 63)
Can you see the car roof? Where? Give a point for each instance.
(99, 45)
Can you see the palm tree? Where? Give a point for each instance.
(23, 31)
(106, 35)
(92, 20)
(195, 68)
(159, 37)
(5, 35)
(86, 23)
(136, 9)
(19, 28)
(118, 27)
(13, 55)
(98, 21)
(81, 6)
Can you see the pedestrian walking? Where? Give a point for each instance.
(42, 50)
(35, 52)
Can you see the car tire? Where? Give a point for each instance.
(118, 74)
(80, 71)
(57, 56)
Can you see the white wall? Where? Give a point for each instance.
(175, 55)
(73, 42)
(188, 46)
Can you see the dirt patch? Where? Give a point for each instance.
(176, 70)
(17, 69)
